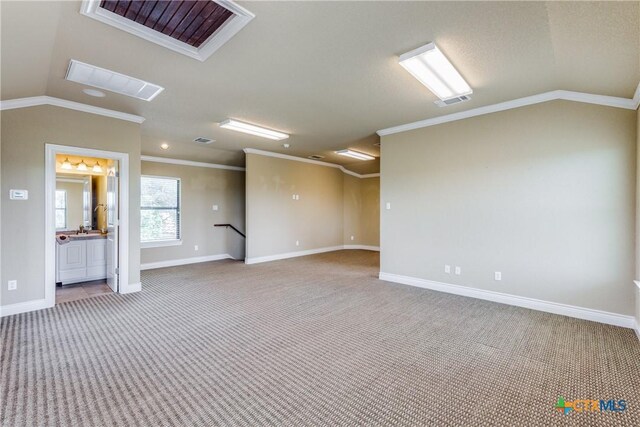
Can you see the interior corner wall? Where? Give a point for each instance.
(545, 194)
(637, 276)
(201, 188)
(361, 211)
(332, 207)
(24, 133)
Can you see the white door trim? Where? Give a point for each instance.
(50, 228)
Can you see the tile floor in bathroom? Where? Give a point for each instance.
(82, 290)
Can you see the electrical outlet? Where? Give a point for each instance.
(447, 269)
(195, 248)
(297, 197)
(13, 285)
(388, 205)
(352, 237)
(498, 275)
(293, 196)
(458, 271)
(297, 242)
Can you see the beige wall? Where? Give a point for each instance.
(75, 202)
(275, 221)
(545, 194)
(330, 209)
(201, 188)
(24, 133)
(361, 211)
(638, 220)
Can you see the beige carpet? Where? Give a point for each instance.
(309, 341)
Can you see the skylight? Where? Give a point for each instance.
(193, 28)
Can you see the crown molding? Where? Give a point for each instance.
(189, 163)
(34, 101)
(566, 95)
(313, 162)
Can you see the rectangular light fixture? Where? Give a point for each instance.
(355, 154)
(91, 75)
(429, 65)
(253, 129)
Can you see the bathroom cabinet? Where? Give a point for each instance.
(81, 261)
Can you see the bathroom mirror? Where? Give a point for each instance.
(74, 204)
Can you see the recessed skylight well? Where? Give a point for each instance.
(253, 129)
(90, 75)
(355, 154)
(429, 65)
(193, 28)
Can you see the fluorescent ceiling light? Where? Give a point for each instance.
(429, 65)
(355, 154)
(253, 129)
(90, 75)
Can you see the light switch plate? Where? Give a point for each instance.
(215, 207)
(13, 285)
(388, 205)
(458, 271)
(447, 269)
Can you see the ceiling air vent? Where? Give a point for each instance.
(316, 157)
(202, 140)
(451, 101)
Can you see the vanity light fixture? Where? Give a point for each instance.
(66, 165)
(82, 166)
(355, 154)
(429, 65)
(97, 168)
(253, 129)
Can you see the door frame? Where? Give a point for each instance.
(49, 215)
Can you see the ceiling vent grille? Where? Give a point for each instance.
(202, 140)
(451, 101)
(316, 157)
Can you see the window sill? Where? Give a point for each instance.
(160, 244)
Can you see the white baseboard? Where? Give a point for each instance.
(533, 304)
(130, 288)
(637, 329)
(184, 261)
(257, 260)
(23, 307)
(363, 247)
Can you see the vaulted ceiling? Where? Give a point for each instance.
(325, 72)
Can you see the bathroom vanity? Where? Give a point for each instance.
(81, 259)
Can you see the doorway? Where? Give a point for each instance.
(95, 249)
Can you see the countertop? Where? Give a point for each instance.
(84, 236)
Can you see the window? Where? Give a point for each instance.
(159, 211)
(61, 209)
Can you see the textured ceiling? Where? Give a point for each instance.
(326, 72)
